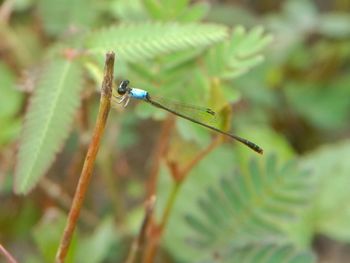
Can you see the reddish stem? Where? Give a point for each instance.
(7, 255)
(137, 247)
(105, 103)
(159, 152)
(178, 176)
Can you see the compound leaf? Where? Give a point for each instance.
(47, 122)
(135, 42)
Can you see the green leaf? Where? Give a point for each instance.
(271, 253)
(10, 98)
(303, 13)
(235, 57)
(167, 10)
(96, 247)
(232, 15)
(331, 212)
(47, 234)
(48, 121)
(10, 130)
(154, 8)
(128, 10)
(324, 105)
(10, 102)
(335, 25)
(60, 16)
(179, 11)
(195, 13)
(177, 6)
(135, 42)
(250, 207)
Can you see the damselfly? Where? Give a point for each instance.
(125, 93)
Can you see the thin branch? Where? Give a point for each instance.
(157, 231)
(105, 104)
(159, 152)
(6, 9)
(136, 250)
(170, 204)
(178, 175)
(7, 255)
(185, 171)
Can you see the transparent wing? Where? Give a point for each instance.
(198, 113)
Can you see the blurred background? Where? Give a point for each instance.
(292, 98)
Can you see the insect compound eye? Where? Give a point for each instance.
(123, 87)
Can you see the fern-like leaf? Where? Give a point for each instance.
(135, 42)
(239, 54)
(58, 16)
(48, 120)
(250, 207)
(263, 253)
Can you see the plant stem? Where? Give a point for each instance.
(159, 152)
(7, 255)
(6, 10)
(179, 175)
(105, 103)
(156, 235)
(170, 204)
(185, 171)
(137, 247)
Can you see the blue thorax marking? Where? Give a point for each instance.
(138, 93)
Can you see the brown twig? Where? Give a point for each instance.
(185, 171)
(6, 9)
(105, 104)
(136, 250)
(178, 176)
(7, 255)
(160, 149)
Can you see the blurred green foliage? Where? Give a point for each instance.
(10, 103)
(292, 99)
